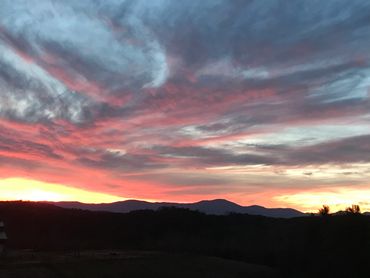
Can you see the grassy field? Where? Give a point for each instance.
(111, 264)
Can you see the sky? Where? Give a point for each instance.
(259, 102)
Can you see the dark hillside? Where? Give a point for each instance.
(336, 246)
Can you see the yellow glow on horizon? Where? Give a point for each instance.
(33, 190)
(338, 199)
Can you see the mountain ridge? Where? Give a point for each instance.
(212, 207)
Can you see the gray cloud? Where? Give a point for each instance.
(348, 150)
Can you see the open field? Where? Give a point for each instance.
(112, 264)
(206, 245)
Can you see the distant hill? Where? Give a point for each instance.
(215, 207)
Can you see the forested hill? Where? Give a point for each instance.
(332, 246)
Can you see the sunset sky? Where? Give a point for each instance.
(259, 102)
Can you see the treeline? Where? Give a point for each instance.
(352, 210)
(337, 246)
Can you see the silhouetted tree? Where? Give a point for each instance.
(354, 209)
(324, 211)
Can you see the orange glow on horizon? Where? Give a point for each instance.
(307, 201)
(336, 199)
(32, 190)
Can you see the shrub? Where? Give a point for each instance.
(324, 211)
(354, 209)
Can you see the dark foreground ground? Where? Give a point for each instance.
(112, 264)
(217, 246)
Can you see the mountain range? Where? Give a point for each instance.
(215, 207)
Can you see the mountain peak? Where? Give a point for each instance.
(217, 201)
(216, 207)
